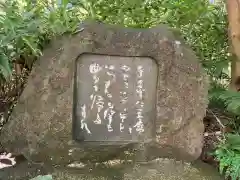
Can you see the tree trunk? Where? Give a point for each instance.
(233, 9)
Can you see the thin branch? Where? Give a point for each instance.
(218, 120)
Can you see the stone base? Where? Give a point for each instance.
(160, 169)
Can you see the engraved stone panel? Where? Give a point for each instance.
(115, 98)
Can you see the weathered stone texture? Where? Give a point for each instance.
(40, 125)
(165, 169)
(162, 169)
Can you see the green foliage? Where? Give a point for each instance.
(225, 98)
(228, 154)
(204, 26)
(19, 34)
(221, 97)
(25, 27)
(228, 151)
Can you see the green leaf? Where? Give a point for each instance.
(64, 3)
(233, 139)
(31, 45)
(221, 167)
(5, 68)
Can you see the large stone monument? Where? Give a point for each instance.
(111, 89)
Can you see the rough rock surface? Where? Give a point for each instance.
(163, 169)
(40, 125)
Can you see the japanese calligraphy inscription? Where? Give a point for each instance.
(115, 98)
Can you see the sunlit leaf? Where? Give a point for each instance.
(5, 68)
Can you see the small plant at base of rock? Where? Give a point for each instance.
(228, 155)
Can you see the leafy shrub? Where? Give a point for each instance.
(228, 154)
(31, 23)
(18, 36)
(26, 26)
(203, 25)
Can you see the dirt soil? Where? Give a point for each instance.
(11, 90)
